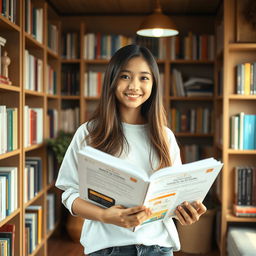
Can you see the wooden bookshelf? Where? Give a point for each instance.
(230, 104)
(16, 95)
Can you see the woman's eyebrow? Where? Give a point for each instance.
(142, 72)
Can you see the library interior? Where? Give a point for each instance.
(53, 58)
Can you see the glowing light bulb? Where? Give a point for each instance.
(157, 32)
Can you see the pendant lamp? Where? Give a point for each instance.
(157, 24)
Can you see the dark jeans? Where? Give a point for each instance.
(134, 250)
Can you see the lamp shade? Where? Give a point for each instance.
(157, 25)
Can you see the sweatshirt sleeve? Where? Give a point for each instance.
(174, 148)
(67, 179)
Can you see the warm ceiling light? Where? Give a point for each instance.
(157, 24)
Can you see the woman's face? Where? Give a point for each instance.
(134, 84)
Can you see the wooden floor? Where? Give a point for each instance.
(60, 247)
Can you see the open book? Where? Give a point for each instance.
(106, 180)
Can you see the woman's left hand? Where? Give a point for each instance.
(188, 214)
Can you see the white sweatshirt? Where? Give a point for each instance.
(97, 235)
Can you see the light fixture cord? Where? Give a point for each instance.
(157, 8)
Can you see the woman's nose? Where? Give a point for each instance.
(133, 85)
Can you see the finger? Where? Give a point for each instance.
(192, 211)
(180, 218)
(133, 210)
(201, 209)
(185, 215)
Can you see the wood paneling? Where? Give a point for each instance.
(184, 7)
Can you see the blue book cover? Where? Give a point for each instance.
(249, 127)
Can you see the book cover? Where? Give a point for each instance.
(106, 180)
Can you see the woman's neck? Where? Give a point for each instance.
(132, 117)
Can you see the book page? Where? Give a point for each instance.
(105, 185)
(172, 186)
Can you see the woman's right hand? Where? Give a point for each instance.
(125, 217)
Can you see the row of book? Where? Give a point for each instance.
(8, 191)
(70, 45)
(192, 47)
(53, 37)
(34, 20)
(51, 80)
(52, 123)
(33, 126)
(193, 152)
(8, 129)
(193, 87)
(246, 78)
(243, 131)
(93, 82)
(52, 166)
(245, 191)
(70, 82)
(103, 46)
(195, 120)
(69, 119)
(33, 177)
(8, 8)
(33, 228)
(34, 223)
(7, 240)
(33, 73)
(155, 45)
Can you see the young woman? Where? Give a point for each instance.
(129, 123)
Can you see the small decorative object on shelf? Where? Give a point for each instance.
(5, 62)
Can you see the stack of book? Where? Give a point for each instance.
(33, 227)
(245, 192)
(7, 239)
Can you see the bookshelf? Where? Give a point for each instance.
(54, 97)
(22, 38)
(232, 52)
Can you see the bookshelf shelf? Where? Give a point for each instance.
(242, 46)
(52, 54)
(91, 98)
(191, 62)
(70, 61)
(32, 42)
(241, 152)
(70, 97)
(9, 154)
(33, 147)
(50, 233)
(7, 24)
(184, 134)
(231, 218)
(34, 93)
(38, 248)
(10, 217)
(242, 97)
(191, 98)
(10, 88)
(97, 61)
(34, 199)
(51, 96)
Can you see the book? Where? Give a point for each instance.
(106, 181)
(8, 231)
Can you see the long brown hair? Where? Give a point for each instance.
(105, 126)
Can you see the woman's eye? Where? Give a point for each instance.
(124, 77)
(144, 78)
